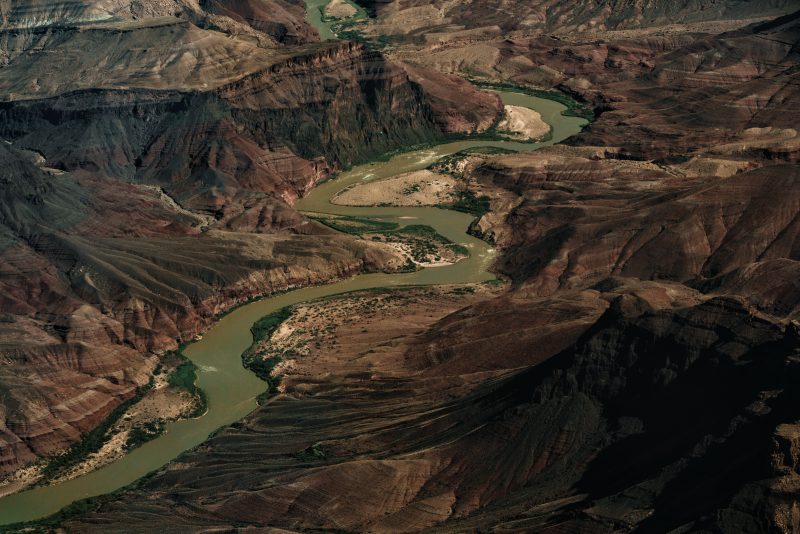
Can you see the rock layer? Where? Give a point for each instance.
(531, 438)
(143, 198)
(639, 374)
(443, 20)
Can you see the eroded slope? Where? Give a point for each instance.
(638, 376)
(142, 198)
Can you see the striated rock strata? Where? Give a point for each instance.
(142, 198)
(639, 375)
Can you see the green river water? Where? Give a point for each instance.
(231, 389)
(325, 27)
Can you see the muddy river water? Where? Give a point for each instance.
(230, 388)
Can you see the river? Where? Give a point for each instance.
(230, 388)
(314, 14)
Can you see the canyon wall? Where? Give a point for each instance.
(144, 197)
(444, 21)
(638, 375)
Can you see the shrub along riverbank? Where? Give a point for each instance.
(574, 108)
(252, 360)
(90, 443)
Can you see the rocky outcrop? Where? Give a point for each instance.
(667, 97)
(443, 21)
(33, 25)
(451, 111)
(581, 220)
(753, 90)
(683, 390)
(283, 20)
(141, 199)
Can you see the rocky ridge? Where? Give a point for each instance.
(445, 21)
(144, 198)
(639, 374)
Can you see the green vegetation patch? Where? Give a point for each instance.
(357, 225)
(425, 240)
(90, 443)
(48, 524)
(411, 189)
(484, 151)
(253, 360)
(139, 435)
(314, 453)
(422, 230)
(546, 137)
(574, 108)
(185, 377)
(448, 164)
(465, 290)
(468, 202)
(350, 30)
(267, 325)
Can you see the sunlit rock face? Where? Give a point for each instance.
(443, 20)
(151, 153)
(637, 375)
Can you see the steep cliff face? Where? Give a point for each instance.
(343, 103)
(579, 221)
(283, 20)
(275, 130)
(32, 25)
(443, 21)
(636, 405)
(143, 198)
(638, 376)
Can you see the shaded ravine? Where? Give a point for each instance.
(230, 388)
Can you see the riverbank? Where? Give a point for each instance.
(170, 396)
(574, 108)
(417, 188)
(331, 17)
(339, 9)
(231, 389)
(309, 340)
(522, 124)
